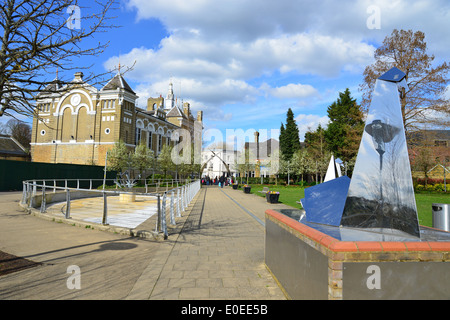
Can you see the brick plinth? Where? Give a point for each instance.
(341, 252)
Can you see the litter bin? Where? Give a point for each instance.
(441, 216)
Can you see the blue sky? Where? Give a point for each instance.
(245, 62)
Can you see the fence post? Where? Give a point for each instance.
(163, 216)
(172, 215)
(54, 186)
(178, 203)
(34, 187)
(24, 193)
(105, 209)
(158, 205)
(43, 200)
(67, 204)
(32, 194)
(29, 195)
(185, 196)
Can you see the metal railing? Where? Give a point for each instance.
(172, 196)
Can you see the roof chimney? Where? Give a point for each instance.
(186, 108)
(200, 116)
(78, 76)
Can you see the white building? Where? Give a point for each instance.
(216, 159)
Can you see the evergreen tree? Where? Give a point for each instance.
(345, 128)
(289, 136)
(282, 138)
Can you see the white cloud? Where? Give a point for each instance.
(217, 73)
(309, 122)
(216, 48)
(291, 91)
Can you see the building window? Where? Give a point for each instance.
(109, 104)
(159, 143)
(42, 132)
(44, 107)
(149, 139)
(107, 130)
(440, 143)
(138, 135)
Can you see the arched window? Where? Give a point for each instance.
(83, 125)
(150, 139)
(67, 134)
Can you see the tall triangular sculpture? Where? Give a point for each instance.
(381, 195)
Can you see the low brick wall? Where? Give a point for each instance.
(309, 264)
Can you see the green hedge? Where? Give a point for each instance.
(438, 187)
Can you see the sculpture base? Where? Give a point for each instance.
(324, 262)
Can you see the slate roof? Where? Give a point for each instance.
(175, 112)
(10, 146)
(118, 82)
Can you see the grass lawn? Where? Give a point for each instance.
(290, 194)
(424, 202)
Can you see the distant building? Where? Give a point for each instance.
(11, 149)
(78, 123)
(429, 148)
(262, 152)
(216, 159)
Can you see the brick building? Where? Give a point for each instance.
(77, 123)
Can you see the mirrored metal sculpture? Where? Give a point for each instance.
(324, 203)
(381, 195)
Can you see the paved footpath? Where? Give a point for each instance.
(215, 252)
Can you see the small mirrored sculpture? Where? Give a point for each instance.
(381, 195)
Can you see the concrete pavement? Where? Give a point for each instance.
(215, 251)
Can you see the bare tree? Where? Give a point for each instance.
(424, 101)
(39, 37)
(19, 130)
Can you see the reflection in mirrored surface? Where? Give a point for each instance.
(381, 195)
(324, 203)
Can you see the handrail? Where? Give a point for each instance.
(184, 190)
